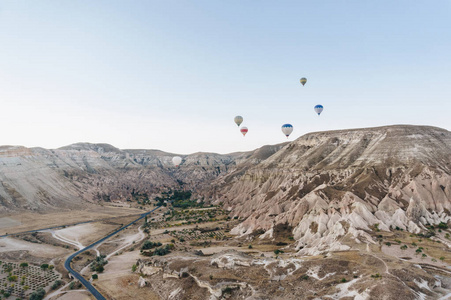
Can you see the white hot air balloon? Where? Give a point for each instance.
(176, 160)
(287, 129)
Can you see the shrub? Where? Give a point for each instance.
(149, 245)
(99, 268)
(23, 265)
(56, 284)
(95, 276)
(388, 244)
(163, 250)
(343, 280)
(443, 225)
(134, 268)
(38, 295)
(98, 264)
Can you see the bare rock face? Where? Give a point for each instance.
(40, 179)
(329, 185)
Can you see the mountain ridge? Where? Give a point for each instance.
(323, 186)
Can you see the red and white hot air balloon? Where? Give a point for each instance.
(244, 130)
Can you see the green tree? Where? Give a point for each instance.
(56, 284)
(24, 265)
(99, 268)
(38, 295)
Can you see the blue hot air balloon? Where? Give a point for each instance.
(318, 109)
(287, 129)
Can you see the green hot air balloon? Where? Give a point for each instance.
(238, 120)
(303, 81)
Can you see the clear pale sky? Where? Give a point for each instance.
(172, 75)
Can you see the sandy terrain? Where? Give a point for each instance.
(127, 241)
(214, 250)
(74, 295)
(42, 250)
(410, 253)
(119, 282)
(8, 222)
(32, 221)
(84, 234)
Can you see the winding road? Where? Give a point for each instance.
(85, 282)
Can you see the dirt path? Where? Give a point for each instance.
(128, 241)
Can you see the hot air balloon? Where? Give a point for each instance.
(287, 129)
(238, 120)
(244, 130)
(176, 160)
(318, 109)
(303, 81)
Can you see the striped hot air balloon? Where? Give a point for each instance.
(244, 130)
(318, 109)
(287, 129)
(303, 81)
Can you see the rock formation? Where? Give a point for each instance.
(328, 185)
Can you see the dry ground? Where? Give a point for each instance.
(25, 221)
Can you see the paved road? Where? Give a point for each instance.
(67, 225)
(85, 282)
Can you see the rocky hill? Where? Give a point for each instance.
(321, 188)
(40, 179)
(329, 185)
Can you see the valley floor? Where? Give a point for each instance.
(207, 262)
